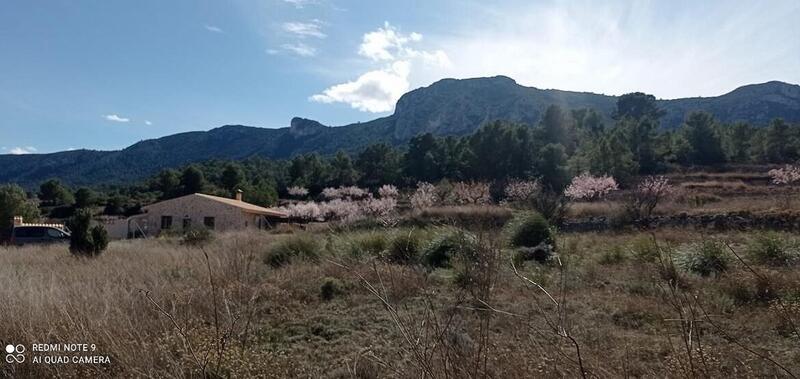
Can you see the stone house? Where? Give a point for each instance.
(201, 211)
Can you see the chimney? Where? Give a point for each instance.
(18, 220)
(239, 195)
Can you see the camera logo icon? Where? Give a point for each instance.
(15, 353)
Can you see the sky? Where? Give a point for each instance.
(106, 74)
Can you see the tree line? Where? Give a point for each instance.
(563, 144)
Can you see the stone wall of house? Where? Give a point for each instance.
(194, 208)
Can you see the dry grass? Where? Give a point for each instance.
(620, 312)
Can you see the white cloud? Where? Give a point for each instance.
(375, 91)
(619, 47)
(304, 29)
(299, 3)
(299, 48)
(212, 28)
(115, 118)
(379, 89)
(148, 122)
(22, 150)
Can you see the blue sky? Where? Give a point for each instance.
(106, 74)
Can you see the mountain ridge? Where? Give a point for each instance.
(446, 107)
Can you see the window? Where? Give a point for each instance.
(166, 222)
(209, 222)
(187, 223)
(54, 233)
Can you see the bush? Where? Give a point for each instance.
(86, 240)
(644, 249)
(404, 248)
(466, 216)
(446, 246)
(197, 237)
(613, 256)
(372, 244)
(530, 230)
(541, 254)
(330, 288)
(771, 249)
(297, 246)
(706, 259)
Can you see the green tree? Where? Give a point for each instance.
(779, 143)
(52, 192)
(192, 180)
(14, 202)
(556, 127)
(379, 164)
(637, 105)
(168, 182)
(310, 171)
(500, 150)
(425, 159)
(232, 177)
(85, 198)
(552, 167)
(263, 193)
(736, 141)
(343, 172)
(85, 239)
(704, 143)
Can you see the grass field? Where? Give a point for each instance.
(360, 303)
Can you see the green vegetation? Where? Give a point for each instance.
(86, 240)
(293, 247)
(530, 230)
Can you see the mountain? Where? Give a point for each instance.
(447, 107)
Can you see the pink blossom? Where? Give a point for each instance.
(379, 207)
(589, 187)
(523, 190)
(305, 211)
(425, 196)
(647, 195)
(351, 192)
(471, 193)
(297, 191)
(388, 191)
(785, 175)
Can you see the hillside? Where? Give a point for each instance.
(447, 107)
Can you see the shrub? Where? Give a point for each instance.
(644, 249)
(330, 288)
(446, 246)
(466, 216)
(771, 249)
(197, 237)
(707, 258)
(530, 230)
(541, 254)
(86, 240)
(404, 248)
(613, 256)
(296, 246)
(373, 244)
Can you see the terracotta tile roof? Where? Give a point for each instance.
(247, 207)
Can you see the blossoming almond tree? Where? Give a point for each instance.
(520, 191)
(588, 187)
(471, 193)
(788, 174)
(388, 191)
(296, 191)
(647, 195)
(425, 196)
